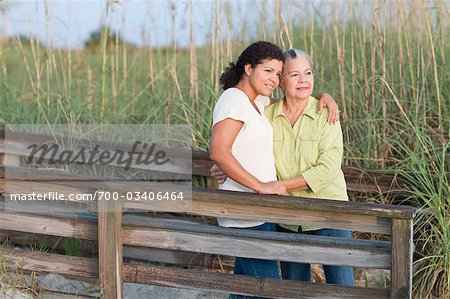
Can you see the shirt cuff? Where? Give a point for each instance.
(312, 180)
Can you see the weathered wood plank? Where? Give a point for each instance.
(179, 258)
(371, 182)
(402, 254)
(290, 202)
(54, 244)
(68, 187)
(9, 159)
(110, 250)
(50, 263)
(191, 279)
(284, 214)
(313, 218)
(247, 286)
(89, 249)
(241, 198)
(326, 254)
(79, 225)
(162, 222)
(48, 226)
(224, 241)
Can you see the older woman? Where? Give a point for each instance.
(308, 155)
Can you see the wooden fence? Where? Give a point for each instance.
(116, 228)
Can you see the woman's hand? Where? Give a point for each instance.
(218, 174)
(325, 100)
(274, 187)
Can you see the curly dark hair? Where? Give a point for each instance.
(253, 55)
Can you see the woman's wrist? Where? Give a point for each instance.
(258, 186)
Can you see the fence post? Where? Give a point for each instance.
(10, 159)
(110, 248)
(402, 253)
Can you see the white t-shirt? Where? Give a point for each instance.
(253, 146)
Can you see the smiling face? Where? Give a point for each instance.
(298, 78)
(265, 76)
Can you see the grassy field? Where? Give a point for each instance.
(389, 72)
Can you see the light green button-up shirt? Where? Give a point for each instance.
(312, 149)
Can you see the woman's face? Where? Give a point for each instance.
(298, 78)
(265, 77)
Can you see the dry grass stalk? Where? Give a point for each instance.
(48, 72)
(373, 42)
(114, 69)
(362, 43)
(400, 20)
(288, 35)
(435, 71)
(311, 38)
(3, 43)
(305, 36)
(124, 61)
(341, 65)
(218, 42)
(13, 277)
(213, 44)
(193, 69)
(352, 54)
(65, 62)
(174, 32)
(49, 53)
(173, 73)
(35, 51)
(104, 40)
(277, 21)
(228, 15)
(382, 53)
(69, 69)
(25, 63)
(104, 62)
(150, 70)
(54, 73)
(90, 89)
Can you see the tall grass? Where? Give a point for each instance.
(430, 190)
(385, 62)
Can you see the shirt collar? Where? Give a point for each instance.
(310, 109)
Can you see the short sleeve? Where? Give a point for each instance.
(231, 104)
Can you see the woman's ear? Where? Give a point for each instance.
(248, 69)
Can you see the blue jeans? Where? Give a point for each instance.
(342, 275)
(256, 267)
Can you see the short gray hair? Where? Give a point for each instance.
(293, 53)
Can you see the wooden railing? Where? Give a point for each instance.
(114, 229)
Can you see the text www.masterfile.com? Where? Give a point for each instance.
(98, 195)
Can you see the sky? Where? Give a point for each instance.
(68, 23)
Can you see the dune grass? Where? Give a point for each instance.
(386, 63)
